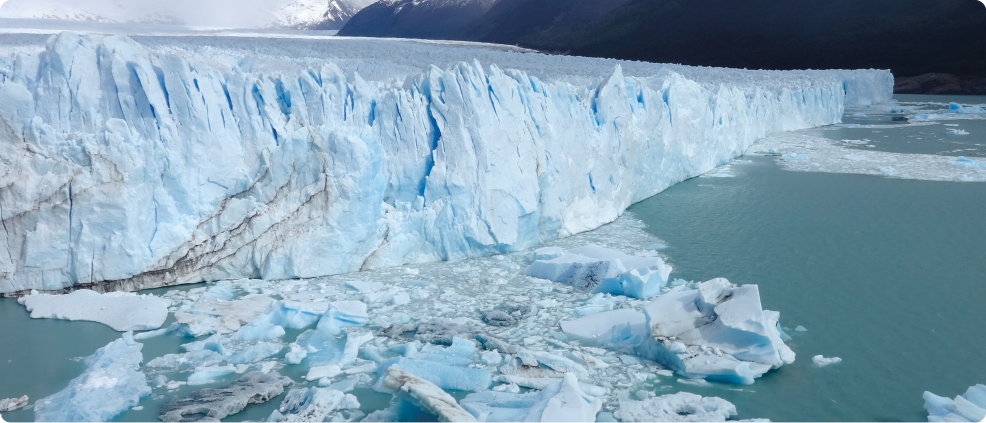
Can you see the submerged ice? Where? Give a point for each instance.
(142, 167)
(111, 384)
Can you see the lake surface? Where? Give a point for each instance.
(886, 273)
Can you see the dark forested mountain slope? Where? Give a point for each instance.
(431, 19)
(910, 37)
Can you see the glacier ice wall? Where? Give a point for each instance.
(125, 167)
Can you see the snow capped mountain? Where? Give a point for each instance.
(301, 14)
(317, 14)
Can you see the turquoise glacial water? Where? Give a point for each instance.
(888, 274)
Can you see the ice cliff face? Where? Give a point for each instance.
(128, 168)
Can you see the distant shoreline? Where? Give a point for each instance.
(940, 83)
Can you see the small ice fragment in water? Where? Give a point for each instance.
(821, 361)
(11, 404)
(800, 329)
(957, 132)
(793, 156)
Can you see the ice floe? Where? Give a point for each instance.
(562, 401)
(111, 384)
(11, 404)
(822, 361)
(215, 403)
(601, 270)
(717, 331)
(826, 155)
(968, 407)
(316, 405)
(122, 311)
(679, 407)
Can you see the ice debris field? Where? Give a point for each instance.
(129, 165)
(811, 150)
(512, 347)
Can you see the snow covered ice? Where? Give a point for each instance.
(111, 384)
(222, 163)
(968, 407)
(121, 311)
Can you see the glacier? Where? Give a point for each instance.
(129, 166)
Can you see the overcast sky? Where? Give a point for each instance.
(219, 13)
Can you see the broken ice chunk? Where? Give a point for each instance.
(968, 407)
(341, 315)
(111, 384)
(11, 404)
(122, 311)
(444, 376)
(624, 327)
(679, 407)
(216, 403)
(728, 335)
(603, 270)
(259, 329)
(210, 374)
(214, 316)
(255, 353)
(314, 405)
(821, 361)
(561, 401)
(185, 361)
(424, 394)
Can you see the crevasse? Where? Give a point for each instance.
(125, 167)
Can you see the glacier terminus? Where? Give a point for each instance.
(132, 163)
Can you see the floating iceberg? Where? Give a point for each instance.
(718, 331)
(216, 403)
(210, 315)
(424, 395)
(601, 270)
(316, 405)
(822, 361)
(122, 311)
(679, 407)
(443, 376)
(968, 407)
(185, 361)
(11, 404)
(111, 384)
(563, 401)
(957, 108)
(212, 166)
